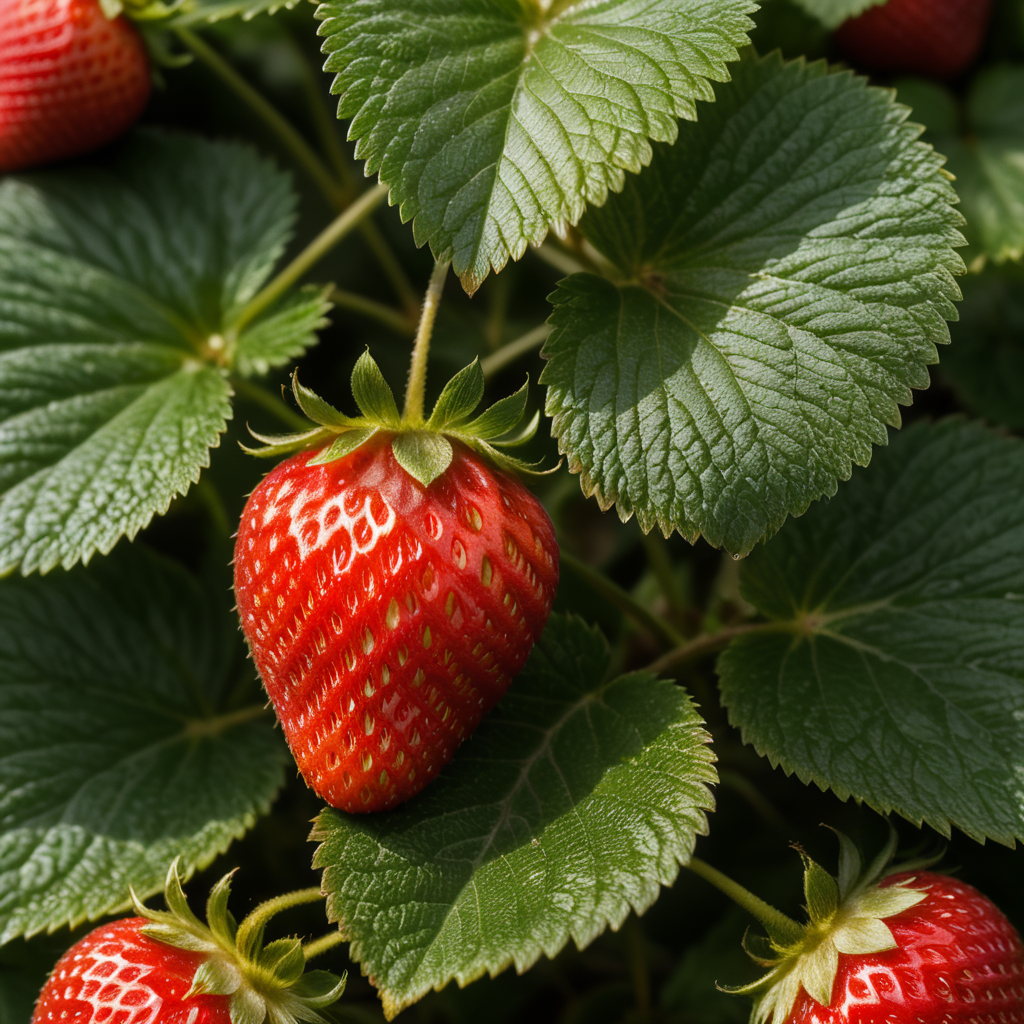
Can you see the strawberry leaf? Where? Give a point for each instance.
(987, 156)
(832, 13)
(118, 287)
(892, 670)
(202, 12)
(780, 278)
(493, 120)
(574, 801)
(122, 741)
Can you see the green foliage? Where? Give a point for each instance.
(119, 284)
(832, 13)
(893, 668)
(494, 120)
(777, 286)
(122, 740)
(575, 801)
(201, 12)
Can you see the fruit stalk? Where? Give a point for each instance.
(416, 388)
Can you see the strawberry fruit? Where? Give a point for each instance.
(167, 967)
(935, 38)
(70, 79)
(391, 585)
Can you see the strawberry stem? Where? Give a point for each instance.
(319, 247)
(317, 946)
(375, 310)
(520, 346)
(250, 931)
(782, 929)
(416, 388)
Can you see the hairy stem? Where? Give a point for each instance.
(317, 946)
(416, 388)
(624, 601)
(780, 927)
(525, 343)
(251, 929)
(378, 311)
(315, 251)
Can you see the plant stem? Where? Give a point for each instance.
(378, 311)
(259, 395)
(781, 928)
(416, 387)
(561, 260)
(690, 650)
(496, 361)
(636, 952)
(319, 247)
(624, 601)
(323, 944)
(252, 927)
(749, 792)
(282, 128)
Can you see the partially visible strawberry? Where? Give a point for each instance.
(935, 38)
(70, 79)
(167, 967)
(390, 586)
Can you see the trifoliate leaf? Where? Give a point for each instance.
(985, 146)
(576, 800)
(118, 285)
(123, 743)
(783, 275)
(832, 13)
(892, 669)
(493, 120)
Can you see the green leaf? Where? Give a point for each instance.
(832, 13)
(893, 669)
(493, 120)
(121, 742)
(118, 285)
(783, 274)
(576, 800)
(985, 363)
(284, 335)
(986, 156)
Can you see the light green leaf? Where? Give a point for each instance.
(121, 742)
(893, 669)
(783, 275)
(118, 285)
(283, 335)
(985, 363)
(201, 12)
(986, 156)
(493, 120)
(576, 800)
(832, 13)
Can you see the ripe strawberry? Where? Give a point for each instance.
(70, 79)
(936, 38)
(169, 968)
(388, 603)
(911, 947)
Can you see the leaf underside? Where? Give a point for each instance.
(494, 120)
(118, 283)
(779, 282)
(574, 801)
(895, 673)
(119, 750)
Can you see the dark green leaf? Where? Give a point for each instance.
(783, 275)
(118, 286)
(492, 120)
(576, 800)
(893, 670)
(121, 745)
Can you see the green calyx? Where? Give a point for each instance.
(846, 914)
(265, 984)
(423, 448)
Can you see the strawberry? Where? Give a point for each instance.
(70, 79)
(390, 585)
(904, 947)
(169, 968)
(935, 38)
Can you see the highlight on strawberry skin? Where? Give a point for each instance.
(71, 80)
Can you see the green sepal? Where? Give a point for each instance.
(215, 978)
(284, 959)
(372, 393)
(501, 417)
(821, 891)
(219, 919)
(423, 455)
(343, 444)
(319, 411)
(320, 988)
(459, 397)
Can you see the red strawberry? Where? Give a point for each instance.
(143, 970)
(70, 79)
(388, 614)
(936, 38)
(957, 960)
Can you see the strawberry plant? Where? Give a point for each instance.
(698, 522)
